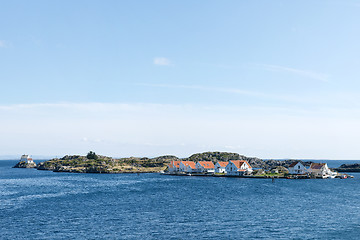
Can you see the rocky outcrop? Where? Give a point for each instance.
(103, 164)
(24, 164)
(224, 156)
(349, 168)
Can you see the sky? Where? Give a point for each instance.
(270, 79)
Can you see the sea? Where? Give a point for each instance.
(48, 205)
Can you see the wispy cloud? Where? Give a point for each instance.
(162, 61)
(300, 72)
(228, 90)
(2, 44)
(156, 129)
(204, 88)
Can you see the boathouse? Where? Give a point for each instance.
(220, 167)
(205, 166)
(238, 168)
(187, 166)
(320, 170)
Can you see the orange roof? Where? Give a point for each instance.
(190, 164)
(239, 163)
(175, 163)
(223, 164)
(207, 164)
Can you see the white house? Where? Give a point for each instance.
(220, 167)
(320, 170)
(174, 166)
(297, 168)
(188, 166)
(205, 166)
(26, 158)
(238, 167)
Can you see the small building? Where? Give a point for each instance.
(297, 168)
(205, 166)
(174, 166)
(26, 158)
(188, 166)
(320, 170)
(238, 168)
(220, 167)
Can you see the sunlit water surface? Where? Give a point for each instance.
(46, 205)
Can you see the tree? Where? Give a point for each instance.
(91, 155)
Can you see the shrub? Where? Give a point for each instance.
(91, 155)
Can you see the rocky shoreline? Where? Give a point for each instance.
(349, 168)
(23, 164)
(93, 163)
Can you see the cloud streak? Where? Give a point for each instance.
(303, 73)
(119, 129)
(3, 44)
(238, 91)
(162, 61)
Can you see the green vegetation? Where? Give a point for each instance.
(93, 163)
(91, 155)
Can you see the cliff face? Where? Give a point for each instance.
(23, 164)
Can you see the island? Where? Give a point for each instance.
(349, 168)
(93, 163)
(215, 164)
(25, 162)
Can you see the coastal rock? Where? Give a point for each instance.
(24, 164)
(349, 168)
(103, 164)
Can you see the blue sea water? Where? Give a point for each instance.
(46, 205)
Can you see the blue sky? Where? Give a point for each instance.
(272, 79)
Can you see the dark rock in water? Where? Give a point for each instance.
(24, 164)
(349, 168)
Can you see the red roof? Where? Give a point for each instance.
(190, 164)
(207, 164)
(239, 163)
(223, 164)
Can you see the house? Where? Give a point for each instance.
(188, 166)
(174, 166)
(320, 170)
(205, 166)
(26, 158)
(220, 167)
(297, 168)
(238, 167)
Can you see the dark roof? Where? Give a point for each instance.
(317, 165)
(293, 164)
